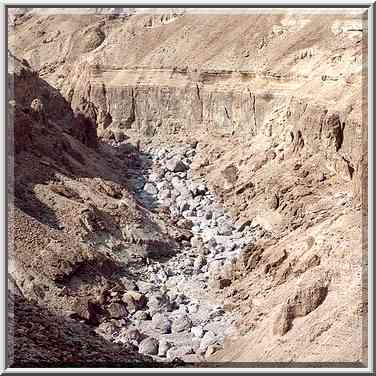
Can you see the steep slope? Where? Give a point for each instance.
(74, 223)
(39, 338)
(276, 105)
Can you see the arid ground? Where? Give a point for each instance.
(187, 188)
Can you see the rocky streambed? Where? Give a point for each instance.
(174, 313)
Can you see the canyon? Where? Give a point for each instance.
(187, 188)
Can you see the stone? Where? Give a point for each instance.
(178, 352)
(196, 242)
(161, 153)
(117, 310)
(225, 229)
(37, 110)
(148, 346)
(208, 234)
(200, 212)
(119, 136)
(193, 308)
(208, 339)
(199, 263)
(212, 243)
(196, 229)
(197, 331)
(273, 202)
(151, 189)
(142, 315)
(195, 203)
(161, 323)
(180, 299)
(216, 312)
(132, 335)
(320, 177)
(201, 189)
(106, 329)
(164, 194)
(154, 177)
(230, 173)
(188, 262)
(225, 282)
(184, 193)
(164, 346)
(211, 350)
(128, 283)
(134, 301)
(158, 303)
(183, 309)
(204, 224)
(181, 323)
(175, 164)
(185, 223)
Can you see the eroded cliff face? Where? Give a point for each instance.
(300, 126)
(278, 82)
(276, 105)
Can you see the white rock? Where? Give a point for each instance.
(208, 339)
(150, 188)
(208, 234)
(164, 346)
(197, 331)
(175, 164)
(148, 346)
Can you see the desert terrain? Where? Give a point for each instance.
(187, 189)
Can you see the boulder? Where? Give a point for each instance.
(224, 229)
(175, 164)
(209, 338)
(185, 223)
(178, 352)
(151, 189)
(197, 331)
(132, 335)
(211, 350)
(158, 303)
(161, 323)
(141, 315)
(148, 346)
(181, 323)
(193, 308)
(164, 346)
(199, 263)
(134, 300)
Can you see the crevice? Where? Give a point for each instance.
(201, 105)
(198, 92)
(253, 100)
(132, 115)
(227, 114)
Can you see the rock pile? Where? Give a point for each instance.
(178, 321)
